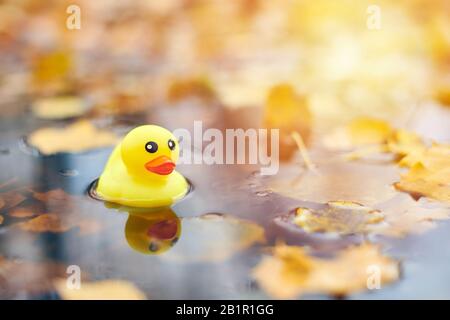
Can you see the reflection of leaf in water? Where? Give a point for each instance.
(290, 271)
(19, 277)
(214, 238)
(100, 290)
(52, 222)
(342, 217)
(77, 137)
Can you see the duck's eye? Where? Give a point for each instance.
(151, 147)
(171, 144)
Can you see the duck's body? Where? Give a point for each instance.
(137, 182)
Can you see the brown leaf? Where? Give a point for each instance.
(52, 222)
(290, 271)
(11, 199)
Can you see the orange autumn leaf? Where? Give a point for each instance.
(290, 271)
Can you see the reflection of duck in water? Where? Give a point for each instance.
(140, 171)
(152, 232)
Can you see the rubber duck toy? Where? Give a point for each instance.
(152, 233)
(140, 171)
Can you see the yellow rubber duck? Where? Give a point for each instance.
(152, 232)
(140, 171)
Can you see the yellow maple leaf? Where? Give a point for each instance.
(290, 271)
(429, 173)
(79, 136)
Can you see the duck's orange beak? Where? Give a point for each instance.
(161, 165)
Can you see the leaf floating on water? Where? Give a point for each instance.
(214, 238)
(429, 173)
(100, 290)
(290, 271)
(24, 212)
(340, 217)
(77, 137)
(61, 107)
(289, 112)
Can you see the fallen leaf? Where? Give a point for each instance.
(342, 217)
(23, 212)
(290, 271)
(61, 107)
(429, 173)
(52, 222)
(52, 195)
(1, 219)
(77, 137)
(289, 112)
(11, 199)
(100, 290)
(214, 238)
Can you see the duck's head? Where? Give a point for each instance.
(150, 151)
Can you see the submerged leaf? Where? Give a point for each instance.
(290, 271)
(342, 217)
(77, 137)
(100, 290)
